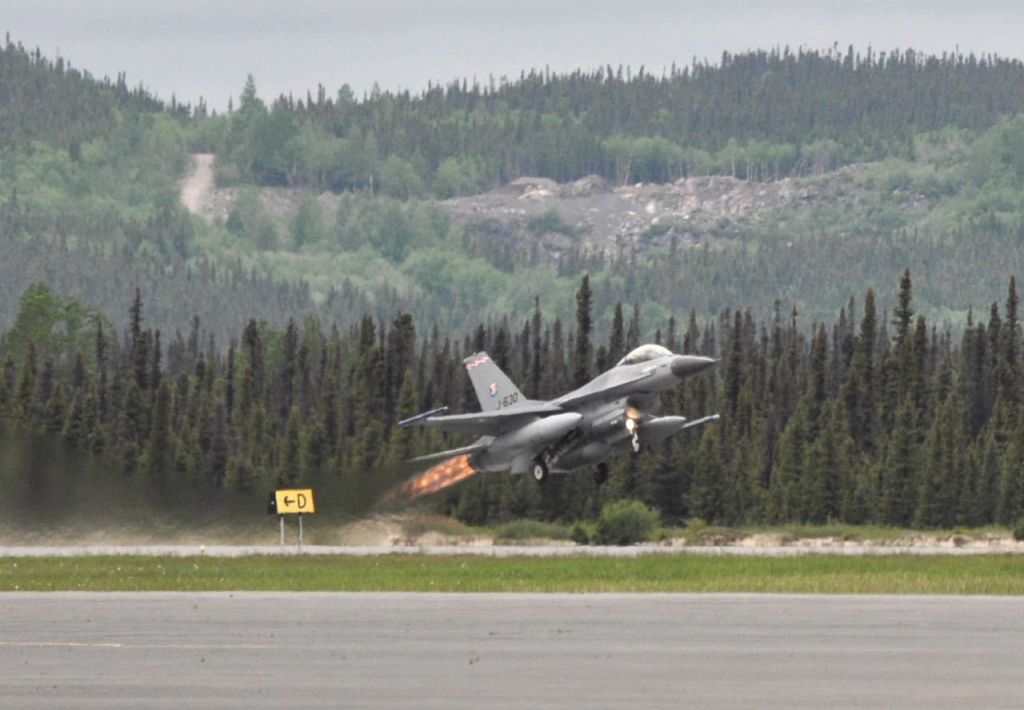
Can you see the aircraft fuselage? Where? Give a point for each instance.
(604, 417)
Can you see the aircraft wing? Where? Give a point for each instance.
(490, 423)
(608, 391)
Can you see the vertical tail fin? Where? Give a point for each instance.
(492, 386)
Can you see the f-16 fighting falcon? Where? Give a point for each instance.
(616, 411)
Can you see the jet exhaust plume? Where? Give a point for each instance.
(445, 474)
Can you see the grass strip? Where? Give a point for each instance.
(902, 574)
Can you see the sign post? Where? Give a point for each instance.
(291, 501)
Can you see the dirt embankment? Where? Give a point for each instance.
(197, 187)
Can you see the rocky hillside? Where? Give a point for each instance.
(592, 215)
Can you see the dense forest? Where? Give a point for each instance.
(200, 363)
(871, 418)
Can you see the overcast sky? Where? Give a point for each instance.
(206, 48)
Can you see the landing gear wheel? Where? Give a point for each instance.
(539, 471)
(601, 473)
(636, 442)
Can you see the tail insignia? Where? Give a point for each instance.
(482, 360)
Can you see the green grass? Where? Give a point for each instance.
(825, 574)
(873, 533)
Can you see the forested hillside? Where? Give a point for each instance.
(861, 420)
(759, 115)
(89, 203)
(89, 192)
(48, 100)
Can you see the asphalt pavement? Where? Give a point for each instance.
(402, 650)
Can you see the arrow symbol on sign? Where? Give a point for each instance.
(287, 500)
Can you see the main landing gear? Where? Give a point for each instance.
(539, 470)
(600, 473)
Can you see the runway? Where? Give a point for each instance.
(396, 650)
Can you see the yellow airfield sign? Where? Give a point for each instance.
(294, 501)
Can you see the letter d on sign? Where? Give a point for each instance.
(295, 501)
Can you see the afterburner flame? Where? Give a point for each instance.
(447, 473)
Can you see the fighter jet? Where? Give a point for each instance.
(616, 411)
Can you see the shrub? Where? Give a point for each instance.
(579, 534)
(1018, 532)
(626, 522)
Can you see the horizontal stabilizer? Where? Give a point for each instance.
(471, 449)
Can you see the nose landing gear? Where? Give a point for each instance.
(633, 427)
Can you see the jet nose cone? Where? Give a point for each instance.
(686, 365)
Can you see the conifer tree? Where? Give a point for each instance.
(1011, 482)
(8, 378)
(288, 368)
(26, 387)
(584, 325)
(937, 500)
(617, 338)
(400, 444)
(900, 472)
(536, 359)
(705, 495)
(903, 314)
(860, 388)
(1010, 365)
(158, 445)
(56, 410)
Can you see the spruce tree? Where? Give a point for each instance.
(8, 380)
(900, 470)
(26, 387)
(617, 338)
(943, 465)
(903, 314)
(158, 446)
(1011, 482)
(705, 495)
(583, 352)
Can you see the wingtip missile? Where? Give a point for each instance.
(702, 420)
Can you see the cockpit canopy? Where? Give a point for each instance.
(644, 353)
